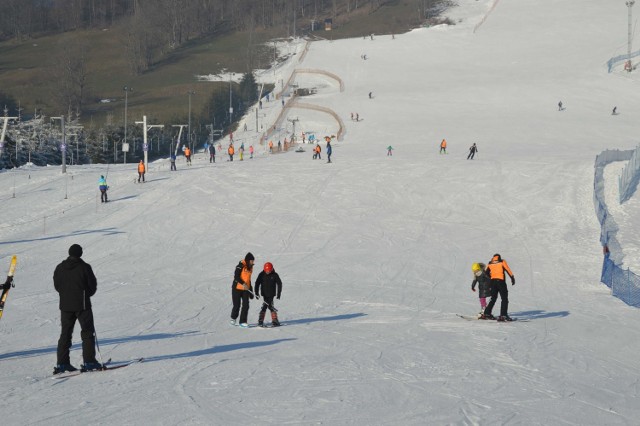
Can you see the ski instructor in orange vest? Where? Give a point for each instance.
(496, 269)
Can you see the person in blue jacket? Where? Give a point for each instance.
(329, 150)
(102, 186)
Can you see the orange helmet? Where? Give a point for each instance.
(268, 267)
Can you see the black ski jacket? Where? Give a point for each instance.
(75, 282)
(484, 288)
(270, 284)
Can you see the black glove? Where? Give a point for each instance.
(473, 289)
(513, 280)
(278, 297)
(7, 284)
(250, 296)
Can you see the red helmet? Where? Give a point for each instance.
(268, 267)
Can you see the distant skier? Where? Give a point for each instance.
(560, 106)
(75, 282)
(496, 270)
(481, 278)
(271, 285)
(472, 151)
(389, 151)
(443, 146)
(316, 152)
(103, 187)
(141, 170)
(172, 159)
(231, 151)
(615, 109)
(241, 290)
(250, 151)
(212, 153)
(370, 95)
(187, 155)
(329, 150)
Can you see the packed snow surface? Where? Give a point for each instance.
(375, 252)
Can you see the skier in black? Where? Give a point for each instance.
(75, 282)
(271, 285)
(212, 153)
(472, 151)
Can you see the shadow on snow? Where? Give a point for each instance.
(539, 314)
(217, 350)
(102, 342)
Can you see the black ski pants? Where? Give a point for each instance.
(498, 287)
(267, 304)
(68, 321)
(240, 298)
(103, 195)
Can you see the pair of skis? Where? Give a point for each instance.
(5, 292)
(105, 367)
(471, 318)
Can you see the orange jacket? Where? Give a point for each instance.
(497, 267)
(231, 151)
(443, 144)
(187, 152)
(141, 167)
(243, 276)
(318, 149)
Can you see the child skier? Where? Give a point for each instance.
(389, 151)
(271, 285)
(481, 278)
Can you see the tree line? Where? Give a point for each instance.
(178, 20)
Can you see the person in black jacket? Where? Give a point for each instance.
(269, 282)
(75, 282)
(481, 278)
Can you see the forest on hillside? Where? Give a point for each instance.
(176, 21)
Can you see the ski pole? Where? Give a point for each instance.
(95, 336)
(258, 298)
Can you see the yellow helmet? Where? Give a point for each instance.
(476, 267)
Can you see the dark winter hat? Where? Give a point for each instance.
(497, 256)
(249, 257)
(75, 250)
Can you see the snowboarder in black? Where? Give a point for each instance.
(472, 151)
(75, 282)
(269, 281)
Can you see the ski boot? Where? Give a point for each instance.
(489, 317)
(274, 319)
(261, 319)
(63, 368)
(232, 322)
(503, 318)
(244, 325)
(91, 366)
